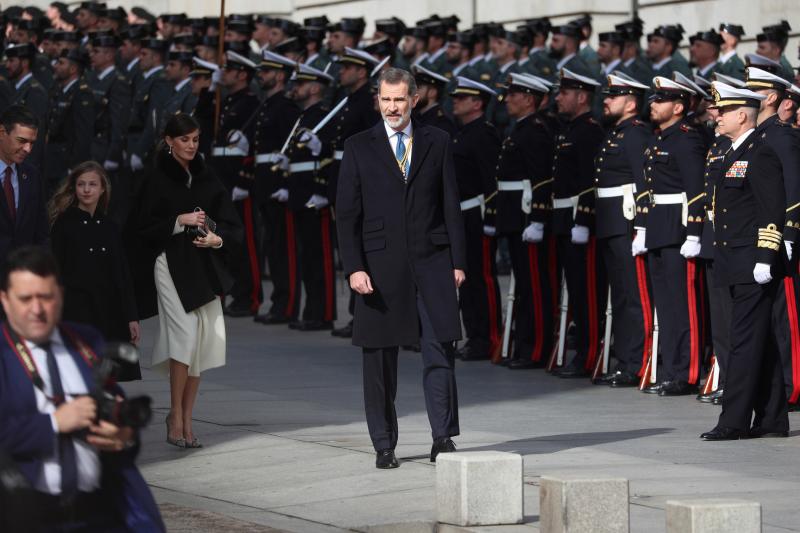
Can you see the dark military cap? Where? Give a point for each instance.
(266, 20)
(451, 22)
(494, 29)
(314, 34)
(584, 21)
(393, 26)
(464, 38)
(105, 41)
(94, 7)
(777, 33)
(289, 27)
(275, 61)
(734, 29)
(568, 30)
(36, 25)
(417, 32)
(76, 55)
(211, 22)
(480, 30)
(524, 35)
(432, 18)
(174, 18)
(198, 25)
(159, 45)
(187, 39)
(142, 13)
(107, 32)
(709, 36)
(244, 26)
(353, 26)
(317, 22)
(113, 13)
(21, 50)
(49, 34)
(613, 37)
(632, 29)
(240, 47)
(540, 26)
(435, 28)
(381, 48)
(668, 32)
(211, 41)
(292, 44)
(181, 57)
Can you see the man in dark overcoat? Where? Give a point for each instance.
(402, 243)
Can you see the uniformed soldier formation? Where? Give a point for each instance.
(642, 199)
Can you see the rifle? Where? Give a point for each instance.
(649, 378)
(507, 322)
(557, 357)
(601, 366)
(712, 381)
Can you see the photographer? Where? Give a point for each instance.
(188, 226)
(82, 468)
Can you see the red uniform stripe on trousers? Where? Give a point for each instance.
(291, 256)
(791, 307)
(536, 290)
(591, 289)
(486, 261)
(647, 314)
(694, 344)
(250, 236)
(327, 262)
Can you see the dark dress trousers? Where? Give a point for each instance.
(408, 236)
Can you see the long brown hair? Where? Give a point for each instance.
(65, 195)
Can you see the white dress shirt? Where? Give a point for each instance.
(741, 139)
(392, 135)
(88, 461)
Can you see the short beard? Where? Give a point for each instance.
(611, 119)
(395, 123)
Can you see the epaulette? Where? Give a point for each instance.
(83, 86)
(686, 128)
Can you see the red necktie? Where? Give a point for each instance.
(9, 190)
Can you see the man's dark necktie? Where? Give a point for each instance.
(66, 448)
(8, 189)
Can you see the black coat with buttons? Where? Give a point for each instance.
(675, 164)
(475, 150)
(98, 289)
(277, 115)
(236, 113)
(715, 160)
(620, 162)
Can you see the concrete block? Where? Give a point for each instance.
(575, 504)
(718, 515)
(479, 488)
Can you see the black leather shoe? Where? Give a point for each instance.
(716, 396)
(445, 445)
(295, 324)
(719, 433)
(314, 325)
(473, 353)
(386, 459)
(237, 311)
(652, 388)
(606, 379)
(271, 318)
(761, 433)
(624, 379)
(677, 388)
(572, 372)
(344, 332)
(522, 364)
(793, 407)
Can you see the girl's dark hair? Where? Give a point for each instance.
(180, 124)
(64, 196)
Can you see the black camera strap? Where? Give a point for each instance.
(20, 349)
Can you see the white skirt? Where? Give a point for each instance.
(196, 338)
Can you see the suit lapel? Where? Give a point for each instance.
(24, 190)
(420, 149)
(384, 151)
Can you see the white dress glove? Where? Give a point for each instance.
(317, 201)
(109, 165)
(239, 194)
(762, 274)
(216, 79)
(534, 232)
(282, 162)
(788, 245)
(637, 246)
(691, 247)
(311, 140)
(580, 234)
(282, 195)
(237, 139)
(136, 163)
(489, 231)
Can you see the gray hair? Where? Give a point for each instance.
(393, 76)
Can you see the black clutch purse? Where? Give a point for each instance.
(201, 231)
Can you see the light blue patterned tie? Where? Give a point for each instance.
(400, 154)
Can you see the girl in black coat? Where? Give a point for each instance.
(184, 274)
(98, 289)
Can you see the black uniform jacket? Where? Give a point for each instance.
(408, 236)
(715, 161)
(437, 117)
(302, 184)
(475, 150)
(70, 128)
(237, 111)
(573, 171)
(749, 211)
(675, 163)
(199, 274)
(276, 117)
(98, 288)
(620, 162)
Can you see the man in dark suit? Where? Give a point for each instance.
(402, 244)
(23, 219)
(83, 481)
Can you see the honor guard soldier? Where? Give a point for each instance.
(309, 205)
(275, 118)
(203, 85)
(431, 87)
(357, 115)
(730, 63)
(662, 51)
(519, 212)
(784, 141)
(619, 175)
(609, 51)
(393, 29)
(540, 63)
(508, 50)
(586, 52)
(673, 210)
(179, 66)
(313, 36)
(633, 62)
(70, 121)
(565, 46)
(576, 146)
(475, 150)
(129, 49)
(342, 35)
(28, 91)
(771, 43)
(436, 60)
(231, 149)
(749, 211)
(704, 52)
(28, 31)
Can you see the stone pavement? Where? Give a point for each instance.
(286, 444)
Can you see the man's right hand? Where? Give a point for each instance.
(75, 415)
(360, 282)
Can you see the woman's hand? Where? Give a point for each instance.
(196, 218)
(133, 327)
(211, 240)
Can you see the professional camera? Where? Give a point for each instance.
(201, 231)
(131, 412)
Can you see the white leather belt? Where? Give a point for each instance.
(267, 158)
(613, 192)
(678, 198)
(305, 166)
(521, 185)
(563, 203)
(227, 151)
(472, 203)
(511, 185)
(338, 154)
